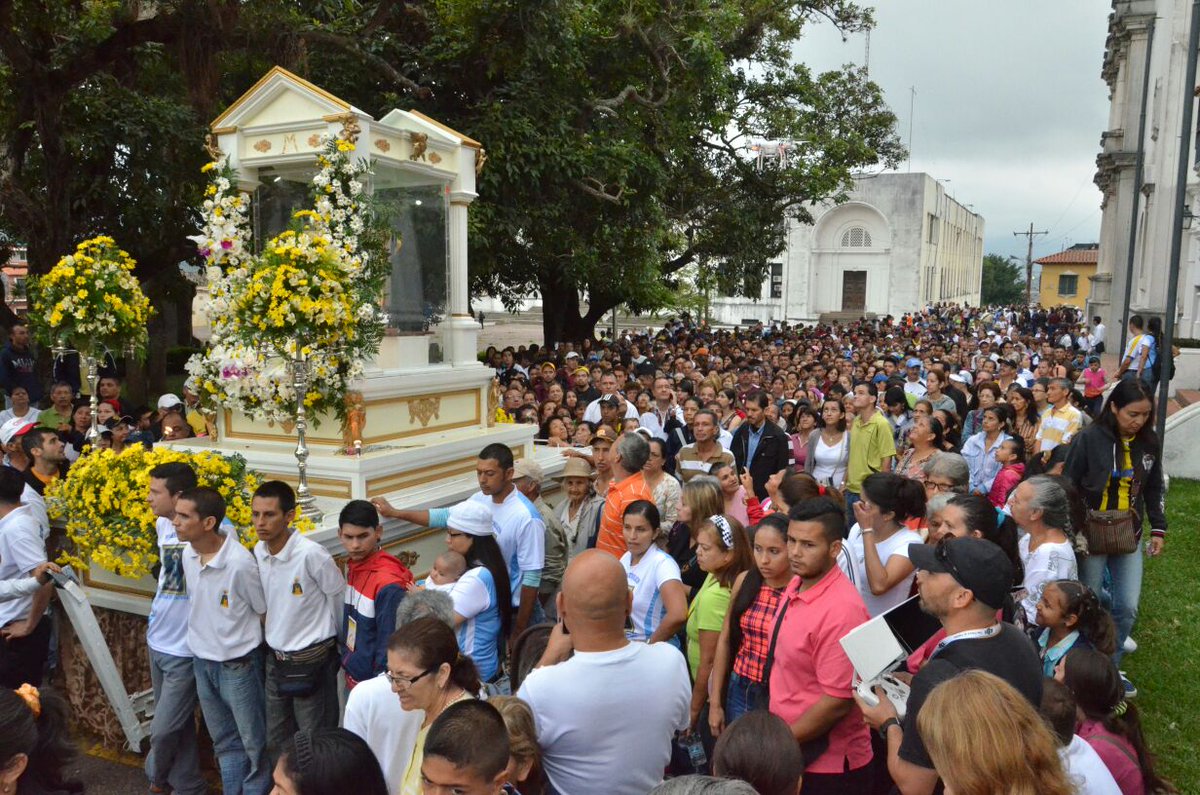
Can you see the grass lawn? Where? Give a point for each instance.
(1165, 665)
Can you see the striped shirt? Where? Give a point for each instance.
(758, 622)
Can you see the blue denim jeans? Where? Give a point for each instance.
(233, 698)
(173, 760)
(1125, 572)
(741, 696)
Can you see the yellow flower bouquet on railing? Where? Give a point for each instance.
(92, 300)
(109, 522)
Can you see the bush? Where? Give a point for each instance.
(1185, 342)
(177, 357)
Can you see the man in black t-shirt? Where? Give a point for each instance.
(963, 583)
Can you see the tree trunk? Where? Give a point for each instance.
(561, 317)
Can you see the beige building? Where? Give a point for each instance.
(1067, 276)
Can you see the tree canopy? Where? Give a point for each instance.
(617, 132)
(1002, 283)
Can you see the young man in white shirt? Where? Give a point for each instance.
(224, 633)
(519, 529)
(303, 588)
(608, 713)
(172, 762)
(24, 631)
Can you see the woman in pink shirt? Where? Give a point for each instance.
(1109, 723)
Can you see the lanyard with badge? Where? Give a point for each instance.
(970, 634)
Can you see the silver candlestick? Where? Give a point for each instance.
(304, 497)
(59, 351)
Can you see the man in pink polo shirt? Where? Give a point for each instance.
(810, 675)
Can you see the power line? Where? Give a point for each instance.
(1029, 261)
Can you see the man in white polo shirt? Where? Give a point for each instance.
(24, 629)
(172, 762)
(304, 590)
(224, 633)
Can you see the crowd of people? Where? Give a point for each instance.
(667, 615)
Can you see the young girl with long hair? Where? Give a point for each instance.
(1109, 722)
(737, 686)
(659, 601)
(723, 552)
(1070, 616)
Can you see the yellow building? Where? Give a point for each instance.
(1067, 276)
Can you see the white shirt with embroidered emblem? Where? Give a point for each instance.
(303, 588)
(226, 602)
(21, 550)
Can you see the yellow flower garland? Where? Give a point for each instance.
(109, 521)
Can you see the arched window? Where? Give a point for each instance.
(856, 237)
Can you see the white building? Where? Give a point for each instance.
(1137, 29)
(899, 243)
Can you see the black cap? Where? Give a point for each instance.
(977, 565)
(610, 400)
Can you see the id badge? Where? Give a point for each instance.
(351, 632)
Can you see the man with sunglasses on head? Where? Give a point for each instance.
(963, 582)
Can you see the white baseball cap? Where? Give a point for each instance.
(17, 426)
(471, 518)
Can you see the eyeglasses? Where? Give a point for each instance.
(933, 485)
(405, 682)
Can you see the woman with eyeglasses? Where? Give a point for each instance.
(428, 672)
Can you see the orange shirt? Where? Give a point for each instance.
(611, 537)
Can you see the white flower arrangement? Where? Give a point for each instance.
(320, 283)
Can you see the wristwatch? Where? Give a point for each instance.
(887, 724)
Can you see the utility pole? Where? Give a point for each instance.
(1029, 262)
(1185, 164)
(912, 109)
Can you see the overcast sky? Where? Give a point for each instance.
(1009, 105)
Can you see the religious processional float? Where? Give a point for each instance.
(341, 356)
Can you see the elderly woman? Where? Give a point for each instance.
(946, 472)
(925, 438)
(427, 673)
(580, 511)
(663, 486)
(1040, 507)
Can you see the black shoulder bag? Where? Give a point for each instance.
(811, 749)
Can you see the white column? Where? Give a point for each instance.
(464, 331)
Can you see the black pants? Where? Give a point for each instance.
(24, 660)
(852, 782)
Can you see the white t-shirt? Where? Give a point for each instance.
(520, 533)
(592, 412)
(373, 712)
(475, 599)
(37, 506)
(226, 602)
(1047, 563)
(895, 544)
(609, 716)
(21, 550)
(829, 463)
(304, 590)
(1086, 769)
(646, 580)
(31, 415)
(168, 628)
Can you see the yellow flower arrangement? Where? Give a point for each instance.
(109, 521)
(93, 300)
